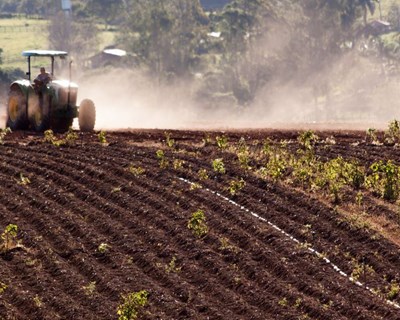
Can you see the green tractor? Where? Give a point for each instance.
(42, 105)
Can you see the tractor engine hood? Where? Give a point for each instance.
(64, 84)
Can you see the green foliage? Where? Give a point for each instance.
(371, 136)
(308, 139)
(222, 142)
(207, 140)
(3, 287)
(178, 164)
(102, 137)
(172, 267)
(163, 161)
(218, 165)
(90, 288)
(170, 142)
(359, 198)
(136, 171)
(243, 154)
(197, 223)
(385, 179)
(69, 139)
(23, 181)
(276, 165)
(392, 135)
(3, 134)
(202, 173)
(9, 238)
(131, 305)
(394, 291)
(236, 185)
(103, 248)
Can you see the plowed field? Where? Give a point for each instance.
(100, 220)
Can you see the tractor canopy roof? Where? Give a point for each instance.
(44, 53)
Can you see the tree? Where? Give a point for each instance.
(163, 34)
(79, 38)
(367, 5)
(107, 10)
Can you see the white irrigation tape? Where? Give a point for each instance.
(312, 250)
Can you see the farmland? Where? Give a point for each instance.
(209, 224)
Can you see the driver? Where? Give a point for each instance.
(43, 77)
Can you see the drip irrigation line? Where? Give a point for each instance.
(295, 240)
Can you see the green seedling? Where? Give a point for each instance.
(131, 305)
(218, 166)
(197, 223)
(9, 238)
(103, 248)
(3, 134)
(102, 137)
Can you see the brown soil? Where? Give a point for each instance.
(83, 195)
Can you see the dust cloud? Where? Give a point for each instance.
(127, 99)
(350, 92)
(360, 98)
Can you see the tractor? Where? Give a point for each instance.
(40, 105)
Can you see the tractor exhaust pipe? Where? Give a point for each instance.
(69, 84)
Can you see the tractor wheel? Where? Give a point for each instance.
(39, 113)
(87, 115)
(16, 111)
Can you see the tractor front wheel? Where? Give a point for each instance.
(16, 111)
(87, 115)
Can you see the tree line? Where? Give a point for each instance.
(232, 53)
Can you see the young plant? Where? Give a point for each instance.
(90, 288)
(171, 267)
(218, 166)
(394, 291)
(222, 142)
(359, 198)
(202, 173)
(163, 162)
(195, 186)
(170, 142)
(197, 223)
(207, 140)
(102, 137)
(392, 135)
(371, 136)
(225, 245)
(244, 159)
(9, 238)
(385, 179)
(23, 181)
(136, 171)
(308, 139)
(178, 164)
(3, 133)
(38, 302)
(235, 186)
(132, 304)
(3, 287)
(103, 248)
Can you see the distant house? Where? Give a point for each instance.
(111, 56)
(214, 4)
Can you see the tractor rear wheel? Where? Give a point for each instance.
(39, 112)
(87, 115)
(16, 110)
